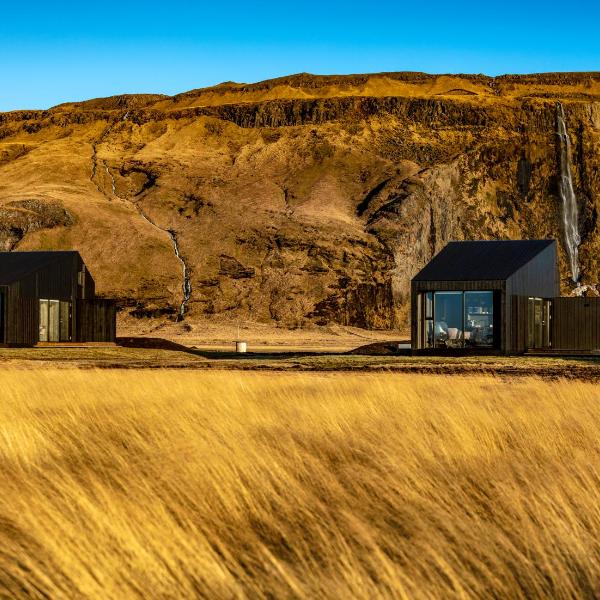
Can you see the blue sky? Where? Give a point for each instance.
(54, 52)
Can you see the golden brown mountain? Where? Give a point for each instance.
(300, 199)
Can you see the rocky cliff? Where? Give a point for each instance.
(304, 199)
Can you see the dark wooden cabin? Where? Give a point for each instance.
(499, 297)
(49, 297)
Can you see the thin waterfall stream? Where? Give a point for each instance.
(186, 285)
(570, 212)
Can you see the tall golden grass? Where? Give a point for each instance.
(246, 485)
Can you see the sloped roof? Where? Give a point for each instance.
(16, 265)
(477, 260)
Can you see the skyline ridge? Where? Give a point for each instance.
(65, 51)
(222, 85)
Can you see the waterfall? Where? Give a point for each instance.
(112, 180)
(187, 284)
(567, 195)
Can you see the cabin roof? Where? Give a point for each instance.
(16, 265)
(481, 260)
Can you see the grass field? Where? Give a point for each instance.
(286, 359)
(170, 484)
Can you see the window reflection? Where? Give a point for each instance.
(479, 318)
(427, 320)
(448, 328)
(457, 319)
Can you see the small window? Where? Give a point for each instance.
(429, 305)
(81, 281)
(427, 324)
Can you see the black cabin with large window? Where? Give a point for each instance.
(49, 297)
(487, 296)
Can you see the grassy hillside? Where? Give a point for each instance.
(183, 484)
(301, 200)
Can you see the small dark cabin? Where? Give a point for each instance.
(49, 297)
(499, 297)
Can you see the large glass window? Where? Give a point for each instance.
(457, 319)
(448, 327)
(479, 318)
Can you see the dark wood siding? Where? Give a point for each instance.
(96, 321)
(53, 276)
(576, 324)
(519, 323)
(21, 324)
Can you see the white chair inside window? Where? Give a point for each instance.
(454, 333)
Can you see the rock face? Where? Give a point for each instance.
(301, 199)
(20, 217)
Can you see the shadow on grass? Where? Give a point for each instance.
(375, 350)
(162, 344)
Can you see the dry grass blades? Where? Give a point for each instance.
(121, 484)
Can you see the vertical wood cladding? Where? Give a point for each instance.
(519, 324)
(28, 277)
(576, 324)
(96, 321)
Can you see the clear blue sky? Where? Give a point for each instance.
(52, 52)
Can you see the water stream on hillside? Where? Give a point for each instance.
(186, 281)
(567, 195)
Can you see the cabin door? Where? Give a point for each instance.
(538, 323)
(50, 321)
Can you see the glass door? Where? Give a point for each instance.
(55, 321)
(43, 320)
(65, 321)
(546, 312)
(538, 323)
